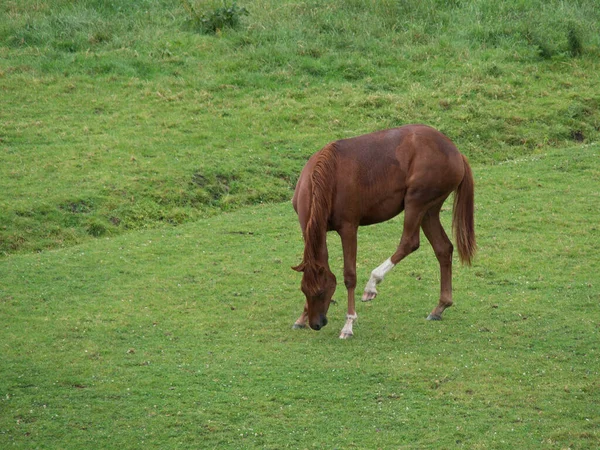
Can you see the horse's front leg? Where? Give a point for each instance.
(302, 320)
(347, 330)
(348, 235)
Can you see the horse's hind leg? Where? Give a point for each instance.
(408, 244)
(443, 248)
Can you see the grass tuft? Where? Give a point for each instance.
(574, 41)
(211, 19)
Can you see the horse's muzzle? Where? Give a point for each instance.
(320, 323)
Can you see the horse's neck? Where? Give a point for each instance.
(316, 198)
(315, 246)
(322, 192)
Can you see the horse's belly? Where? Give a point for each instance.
(383, 210)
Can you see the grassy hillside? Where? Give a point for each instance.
(120, 115)
(181, 337)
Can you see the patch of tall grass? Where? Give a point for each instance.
(154, 123)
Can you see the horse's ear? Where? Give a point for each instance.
(300, 267)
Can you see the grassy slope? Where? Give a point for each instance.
(118, 116)
(181, 336)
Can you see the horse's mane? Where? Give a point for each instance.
(322, 191)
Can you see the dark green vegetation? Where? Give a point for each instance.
(117, 115)
(211, 19)
(118, 120)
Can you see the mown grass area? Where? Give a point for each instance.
(181, 337)
(119, 115)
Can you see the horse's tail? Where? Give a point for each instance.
(463, 223)
(322, 191)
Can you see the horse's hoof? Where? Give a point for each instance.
(298, 326)
(346, 335)
(368, 296)
(434, 317)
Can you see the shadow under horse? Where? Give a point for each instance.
(370, 179)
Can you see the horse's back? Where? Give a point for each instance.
(399, 146)
(375, 171)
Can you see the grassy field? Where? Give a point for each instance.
(146, 235)
(182, 336)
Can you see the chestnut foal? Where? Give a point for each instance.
(371, 179)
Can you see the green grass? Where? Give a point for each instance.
(146, 235)
(182, 336)
(118, 116)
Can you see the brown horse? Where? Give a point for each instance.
(370, 179)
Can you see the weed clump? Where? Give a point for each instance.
(212, 20)
(574, 42)
(558, 42)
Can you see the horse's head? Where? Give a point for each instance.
(318, 285)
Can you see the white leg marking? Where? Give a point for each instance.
(347, 330)
(377, 277)
(301, 321)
